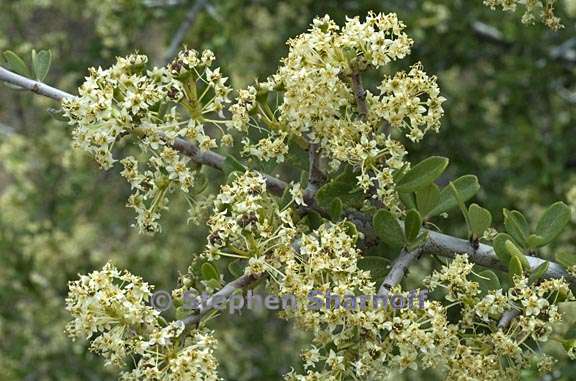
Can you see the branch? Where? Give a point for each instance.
(209, 158)
(223, 295)
(398, 270)
(437, 243)
(315, 175)
(34, 86)
(183, 29)
(359, 95)
(507, 318)
(448, 246)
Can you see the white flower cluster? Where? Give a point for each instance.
(324, 102)
(481, 312)
(130, 100)
(247, 222)
(534, 11)
(354, 343)
(111, 309)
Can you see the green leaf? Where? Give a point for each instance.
(335, 209)
(304, 179)
(209, 271)
(516, 225)
(533, 241)
(383, 250)
(41, 63)
(235, 268)
(418, 242)
(467, 187)
(378, 267)
(15, 63)
(343, 186)
(480, 220)
(408, 200)
(351, 229)
(514, 251)
(514, 268)
(461, 205)
(538, 272)
(422, 174)
(231, 164)
(565, 258)
(412, 225)
(551, 224)
(488, 280)
(314, 219)
(427, 199)
(499, 245)
(388, 228)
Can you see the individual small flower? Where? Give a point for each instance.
(297, 194)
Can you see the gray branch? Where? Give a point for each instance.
(315, 175)
(359, 95)
(183, 30)
(398, 270)
(507, 318)
(34, 86)
(221, 297)
(448, 246)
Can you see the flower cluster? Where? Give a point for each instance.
(481, 310)
(324, 102)
(111, 309)
(534, 11)
(371, 343)
(130, 100)
(351, 343)
(247, 223)
(113, 305)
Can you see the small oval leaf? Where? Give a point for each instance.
(412, 225)
(41, 64)
(427, 199)
(209, 271)
(538, 272)
(552, 222)
(15, 63)
(516, 225)
(467, 187)
(480, 220)
(388, 228)
(422, 174)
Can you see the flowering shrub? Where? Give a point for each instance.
(359, 203)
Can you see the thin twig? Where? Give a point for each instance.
(221, 297)
(359, 95)
(316, 176)
(183, 29)
(34, 86)
(398, 270)
(507, 318)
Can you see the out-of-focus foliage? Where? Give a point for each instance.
(509, 119)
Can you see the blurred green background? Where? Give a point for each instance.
(510, 119)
